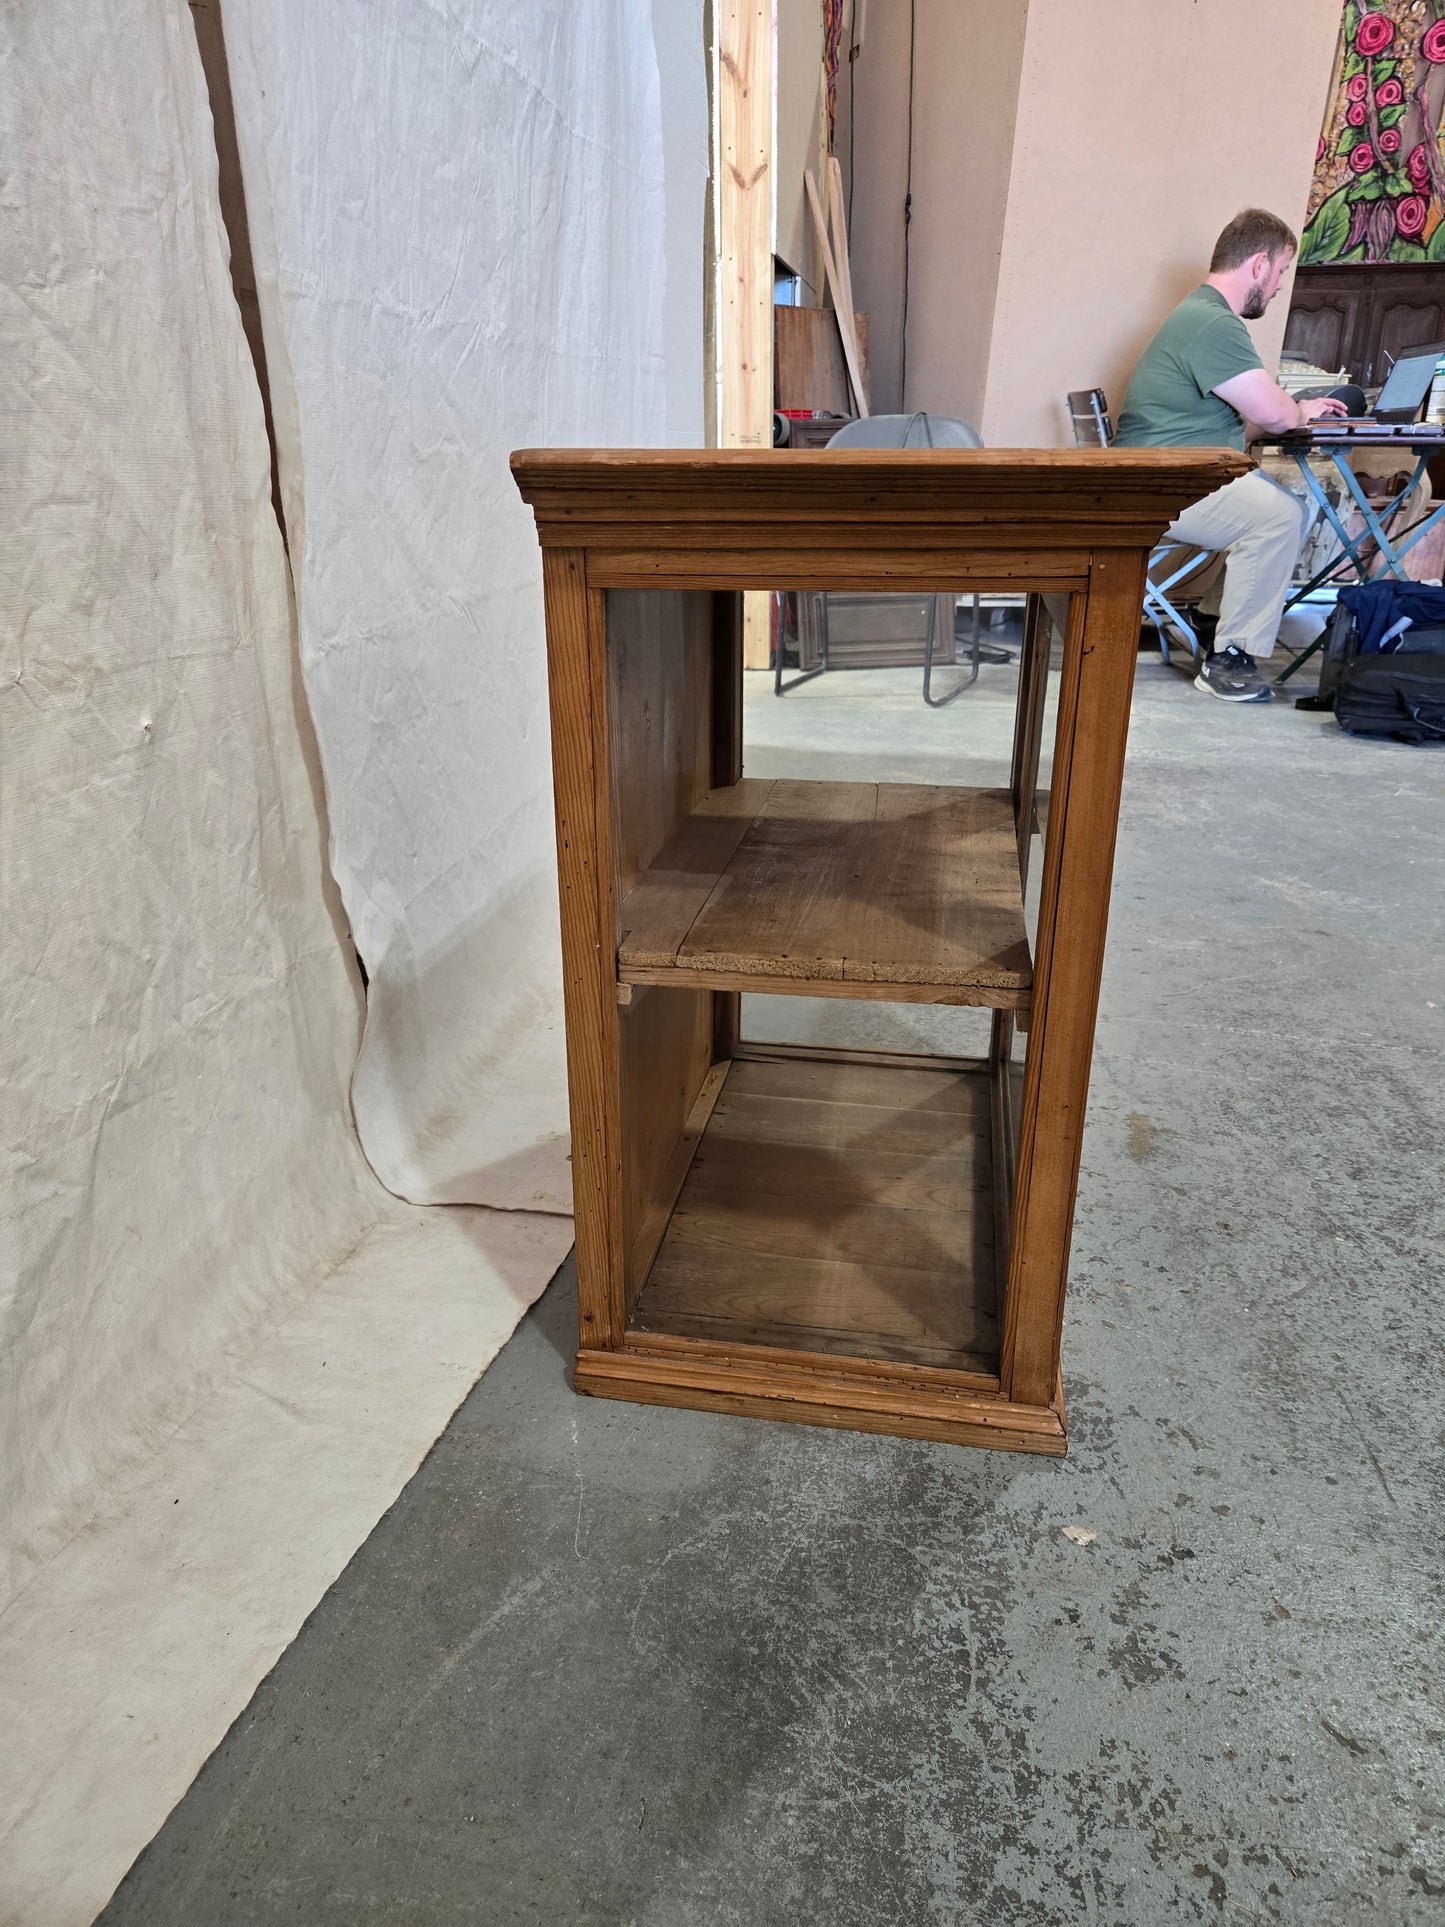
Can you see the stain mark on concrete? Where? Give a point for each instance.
(1357, 1747)
(1144, 1136)
(1217, 1889)
(1365, 1441)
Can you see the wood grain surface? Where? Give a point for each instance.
(778, 1388)
(1088, 768)
(659, 717)
(837, 1207)
(876, 884)
(744, 188)
(841, 291)
(749, 561)
(774, 505)
(665, 1058)
(809, 370)
(586, 877)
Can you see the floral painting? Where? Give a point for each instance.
(1379, 186)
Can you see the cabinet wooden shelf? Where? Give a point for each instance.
(842, 1208)
(883, 890)
(847, 1238)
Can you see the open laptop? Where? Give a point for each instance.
(1397, 411)
(1405, 391)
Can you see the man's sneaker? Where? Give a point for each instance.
(1234, 677)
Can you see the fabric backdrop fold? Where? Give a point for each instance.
(177, 1020)
(476, 226)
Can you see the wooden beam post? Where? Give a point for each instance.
(745, 251)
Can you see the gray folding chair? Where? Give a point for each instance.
(918, 430)
(1093, 428)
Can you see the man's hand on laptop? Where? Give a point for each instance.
(1260, 401)
(1326, 408)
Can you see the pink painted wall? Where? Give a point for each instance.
(797, 84)
(1142, 126)
(968, 70)
(966, 80)
(1073, 162)
(873, 96)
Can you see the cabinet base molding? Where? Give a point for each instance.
(776, 1389)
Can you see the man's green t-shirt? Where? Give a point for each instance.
(1169, 403)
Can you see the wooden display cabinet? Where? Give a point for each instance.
(851, 1238)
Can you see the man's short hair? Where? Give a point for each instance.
(1255, 231)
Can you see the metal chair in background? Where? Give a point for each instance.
(1089, 414)
(1094, 428)
(918, 430)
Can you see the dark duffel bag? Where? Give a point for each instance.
(1401, 694)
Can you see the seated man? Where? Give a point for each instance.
(1200, 384)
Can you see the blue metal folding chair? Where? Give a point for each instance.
(1093, 428)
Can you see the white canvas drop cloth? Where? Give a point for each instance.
(177, 1023)
(123, 1663)
(476, 226)
(190, 1239)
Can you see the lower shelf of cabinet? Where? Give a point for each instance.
(834, 1258)
(838, 1208)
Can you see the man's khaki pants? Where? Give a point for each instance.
(1258, 526)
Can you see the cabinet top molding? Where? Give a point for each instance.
(935, 499)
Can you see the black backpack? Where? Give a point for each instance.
(1401, 694)
(1397, 692)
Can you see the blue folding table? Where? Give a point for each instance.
(1337, 439)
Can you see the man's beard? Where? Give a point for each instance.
(1254, 303)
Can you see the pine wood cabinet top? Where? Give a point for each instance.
(770, 501)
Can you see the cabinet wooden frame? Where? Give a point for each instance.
(699, 1279)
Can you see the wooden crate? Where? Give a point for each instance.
(808, 365)
(845, 1238)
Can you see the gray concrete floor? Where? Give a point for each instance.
(608, 1664)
